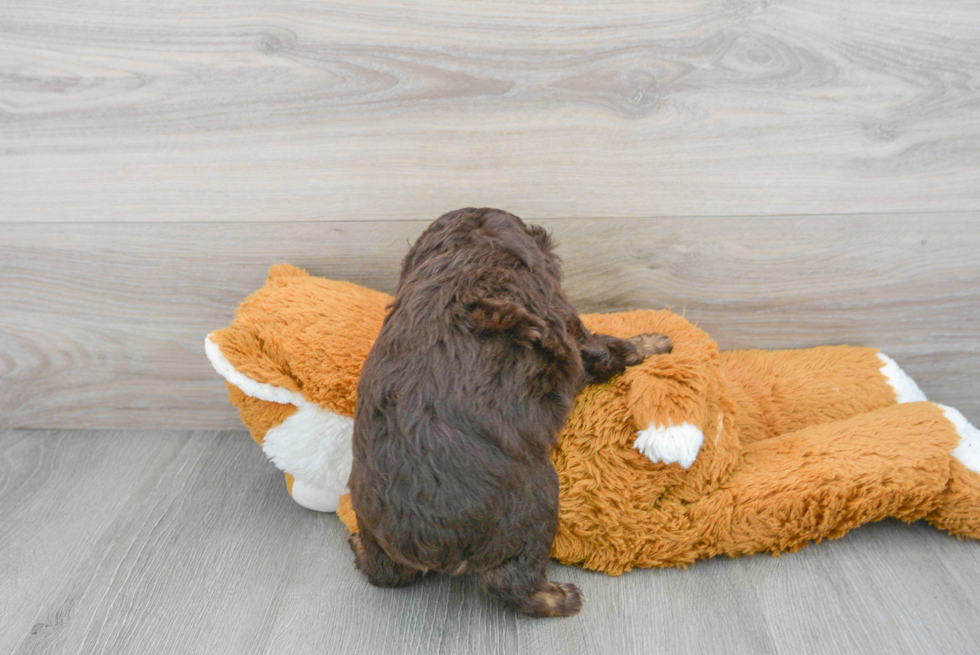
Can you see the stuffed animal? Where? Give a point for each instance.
(688, 455)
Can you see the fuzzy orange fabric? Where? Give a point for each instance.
(798, 446)
(332, 324)
(258, 415)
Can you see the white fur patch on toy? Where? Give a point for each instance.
(670, 444)
(906, 390)
(313, 444)
(315, 498)
(968, 450)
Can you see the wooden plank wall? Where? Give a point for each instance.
(788, 173)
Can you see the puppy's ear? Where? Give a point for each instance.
(541, 236)
(552, 262)
(497, 316)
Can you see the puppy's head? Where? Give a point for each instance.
(457, 230)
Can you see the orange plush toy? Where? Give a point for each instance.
(688, 455)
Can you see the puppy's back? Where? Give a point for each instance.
(461, 397)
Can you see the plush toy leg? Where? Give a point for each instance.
(782, 391)
(345, 512)
(959, 512)
(822, 481)
(312, 497)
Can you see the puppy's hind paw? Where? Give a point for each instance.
(381, 570)
(557, 599)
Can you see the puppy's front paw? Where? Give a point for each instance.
(648, 345)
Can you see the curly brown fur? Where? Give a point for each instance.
(458, 407)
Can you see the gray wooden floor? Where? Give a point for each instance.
(186, 542)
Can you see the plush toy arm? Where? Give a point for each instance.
(667, 394)
(670, 444)
(668, 397)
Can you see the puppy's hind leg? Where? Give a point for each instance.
(520, 583)
(381, 571)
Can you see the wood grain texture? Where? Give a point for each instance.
(843, 609)
(59, 493)
(376, 109)
(193, 561)
(187, 542)
(102, 325)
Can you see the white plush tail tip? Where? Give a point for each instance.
(906, 390)
(968, 450)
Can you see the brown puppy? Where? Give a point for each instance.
(458, 407)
